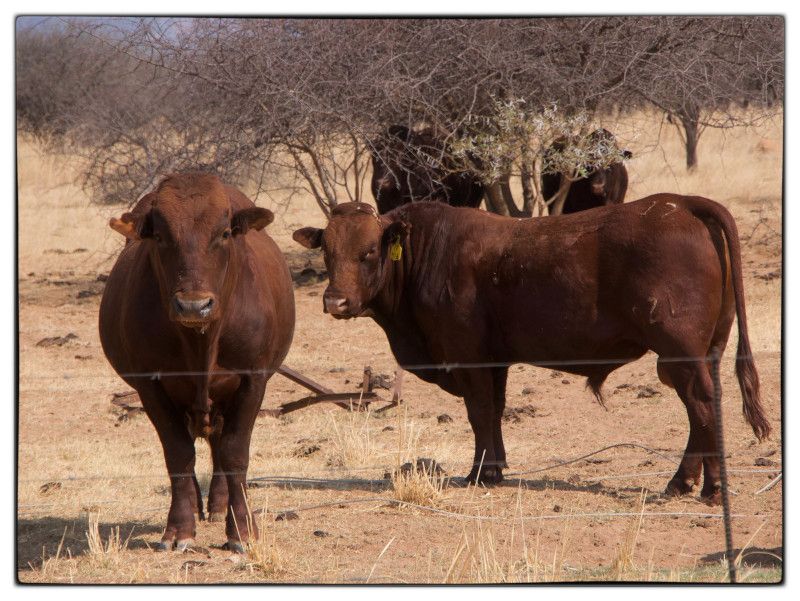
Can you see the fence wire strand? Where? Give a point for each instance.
(551, 364)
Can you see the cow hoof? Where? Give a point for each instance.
(234, 546)
(164, 545)
(678, 488)
(712, 496)
(183, 545)
(216, 516)
(488, 476)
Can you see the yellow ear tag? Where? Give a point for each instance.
(395, 249)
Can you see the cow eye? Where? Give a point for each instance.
(226, 234)
(368, 253)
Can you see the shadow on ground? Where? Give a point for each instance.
(752, 556)
(38, 539)
(378, 486)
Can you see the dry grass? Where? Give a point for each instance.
(491, 552)
(76, 457)
(105, 552)
(353, 441)
(623, 564)
(266, 558)
(418, 486)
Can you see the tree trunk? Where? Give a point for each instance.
(508, 198)
(690, 118)
(557, 201)
(494, 199)
(528, 193)
(692, 137)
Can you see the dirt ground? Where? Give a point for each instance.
(93, 490)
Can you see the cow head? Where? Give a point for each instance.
(356, 245)
(190, 229)
(599, 178)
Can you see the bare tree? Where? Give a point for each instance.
(298, 102)
(725, 72)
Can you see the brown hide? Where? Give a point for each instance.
(202, 299)
(583, 293)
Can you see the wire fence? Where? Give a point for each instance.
(443, 366)
(290, 479)
(305, 477)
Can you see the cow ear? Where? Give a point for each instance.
(253, 218)
(310, 237)
(133, 228)
(627, 154)
(396, 230)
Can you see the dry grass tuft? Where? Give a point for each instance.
(352, 441)
(418, 485)
(104, 552)
(265, 557)
(478, 559)
(51, 565)
(623, 562)
(408, 435)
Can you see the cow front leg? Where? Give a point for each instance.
(218, 489)
(179, 455)
(477, 386)
(234, 458)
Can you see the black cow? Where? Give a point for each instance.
(412, 165)
(601, 186)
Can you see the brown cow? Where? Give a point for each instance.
(197, 313)
(472, 293)
(410, 165)
(606, 186)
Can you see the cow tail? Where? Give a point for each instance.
(745, 366)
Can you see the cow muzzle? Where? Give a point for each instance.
(193, 310)
(337, 305)
(387, 184)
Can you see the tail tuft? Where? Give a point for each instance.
(751, 397)
(595, 383)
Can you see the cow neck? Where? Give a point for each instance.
(200, 348)
(389, 305)
(422, 270)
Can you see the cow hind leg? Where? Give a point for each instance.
(500, 377)
(692, 381)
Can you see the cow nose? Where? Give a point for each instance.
(197, 308)
(335, 305)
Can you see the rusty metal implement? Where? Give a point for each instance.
(357, 400)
